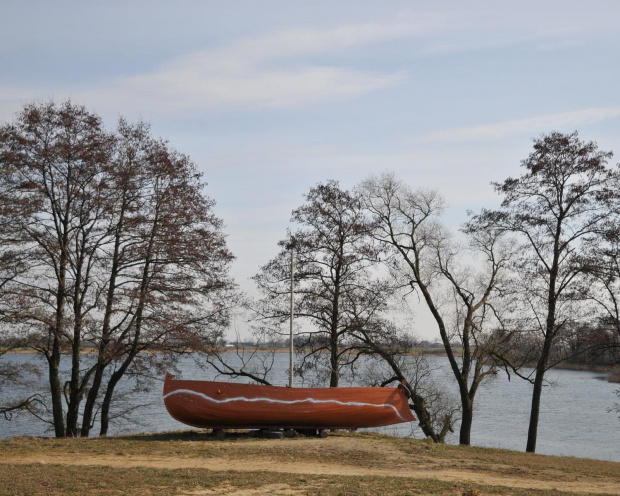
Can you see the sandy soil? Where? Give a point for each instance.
(348, 456)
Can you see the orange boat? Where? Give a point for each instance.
(226, 405)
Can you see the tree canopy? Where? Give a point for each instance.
(564, 197)
(107, 241)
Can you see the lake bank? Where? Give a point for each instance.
(361, 464)
(501, 418)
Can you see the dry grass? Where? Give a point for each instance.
(192, 463)
(53, 480)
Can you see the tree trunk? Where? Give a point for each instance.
(424, 418)
(107, 400)
(461, 376)
(467, 417)
(76, 387)
(75, 392)
(93, 393)
(541, 368)
(334, 376)
(118, 374)
(532, 432)
(418, 402)
(55, 389)
(91, 398)
(54, 360)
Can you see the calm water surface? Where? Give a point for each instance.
(574, 418)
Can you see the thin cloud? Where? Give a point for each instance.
(182, 91)
(532, 125)
(279, 69)
(253, 73)
(260, 72)
(269, 71)
(298, 41)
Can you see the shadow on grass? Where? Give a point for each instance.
(209, 435)
(189, 436)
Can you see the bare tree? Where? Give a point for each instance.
(167, 284)
(12, 375)
(254, 362)
(51, 163)
(428, 261)
(602, 285)
(345, 294)
(334, 259)
(392, 356)
(106, 240)
(564, 196)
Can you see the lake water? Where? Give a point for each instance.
(574, 418)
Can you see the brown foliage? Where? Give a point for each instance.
(107, 241)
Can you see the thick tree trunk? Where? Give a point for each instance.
(75, 389)
(334, 376)
(91, 399)
(467, 417)
(55, 388)
(467, 399)
(54, 360)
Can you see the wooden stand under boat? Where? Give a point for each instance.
(225, 405)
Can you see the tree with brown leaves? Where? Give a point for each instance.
(107, 242)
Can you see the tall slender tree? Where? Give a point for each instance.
(172, 291)
(334, 259)
(565, 195)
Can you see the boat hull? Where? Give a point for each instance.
(225, 405)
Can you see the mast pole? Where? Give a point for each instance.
(290, 381)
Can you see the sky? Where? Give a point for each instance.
(271, 97)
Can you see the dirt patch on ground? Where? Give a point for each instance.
(356, 456)
(225, 490)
